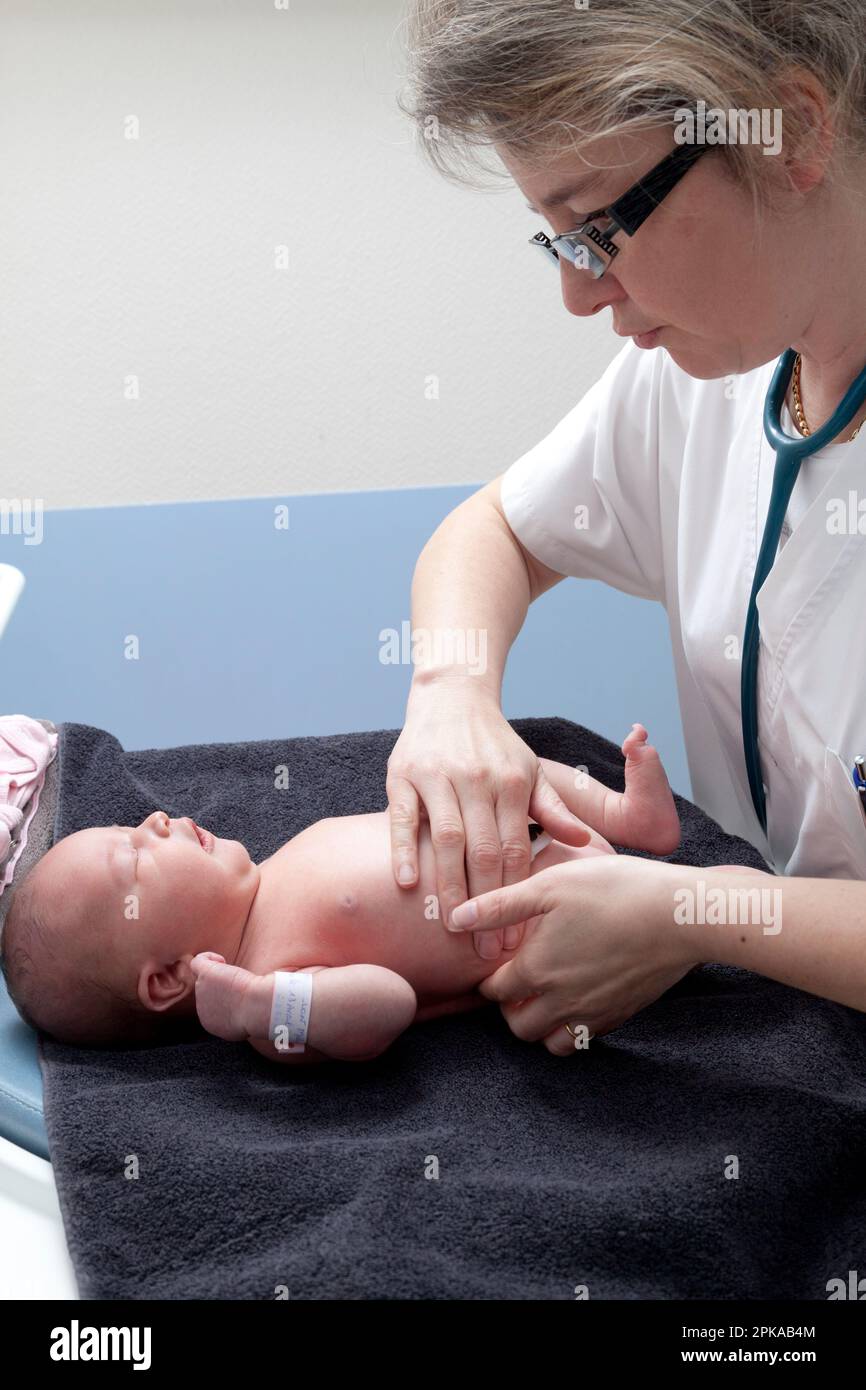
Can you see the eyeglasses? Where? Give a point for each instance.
(592, 248)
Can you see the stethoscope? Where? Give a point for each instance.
(789, 455)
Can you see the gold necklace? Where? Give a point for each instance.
(798, 406)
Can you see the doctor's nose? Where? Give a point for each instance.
(583, 295)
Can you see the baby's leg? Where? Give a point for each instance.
(356, 1011)
(642, 817)
(550, 852)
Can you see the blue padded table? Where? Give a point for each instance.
(20, 1082)
(199, 622)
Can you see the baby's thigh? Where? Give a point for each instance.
(558, 853)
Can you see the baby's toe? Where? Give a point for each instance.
(635, 740)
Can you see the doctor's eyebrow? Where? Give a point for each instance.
(560, 195)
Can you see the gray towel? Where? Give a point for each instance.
(463, 1164)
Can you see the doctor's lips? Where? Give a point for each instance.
(643, 340)
(648, 340)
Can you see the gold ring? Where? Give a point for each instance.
(572, 1032)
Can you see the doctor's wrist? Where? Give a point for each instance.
(678, 944)
(714, 910)
(432, 682)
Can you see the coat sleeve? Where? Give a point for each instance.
(585, 500)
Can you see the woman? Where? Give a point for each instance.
(745, 248)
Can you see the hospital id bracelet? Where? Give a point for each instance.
(290, 1010)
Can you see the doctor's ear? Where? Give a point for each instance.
(808, 132)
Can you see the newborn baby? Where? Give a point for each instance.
(119, 933)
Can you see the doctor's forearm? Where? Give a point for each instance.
(470, 579)
(806, 932)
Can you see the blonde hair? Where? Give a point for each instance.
(536, 76)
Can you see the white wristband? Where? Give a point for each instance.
(290, 1010)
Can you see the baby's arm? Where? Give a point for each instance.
(642, 817)
(356, 1011)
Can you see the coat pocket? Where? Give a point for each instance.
(846, 823)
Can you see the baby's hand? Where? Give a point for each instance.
(229, 999)
(360, 1009)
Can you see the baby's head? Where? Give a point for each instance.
(99, 936)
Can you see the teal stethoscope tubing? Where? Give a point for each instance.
(789, 455)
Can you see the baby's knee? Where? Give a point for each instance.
(391, 996)
(361, 1010)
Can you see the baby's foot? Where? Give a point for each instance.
(647, 811)
(230, 1002)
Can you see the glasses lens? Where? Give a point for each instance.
(580, 251)
(542, 241)
(577, 249)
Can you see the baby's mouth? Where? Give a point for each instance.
(206, 839)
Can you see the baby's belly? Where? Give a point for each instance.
(352, 912)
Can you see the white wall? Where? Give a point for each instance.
(154, 258)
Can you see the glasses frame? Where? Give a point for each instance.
(628, 213)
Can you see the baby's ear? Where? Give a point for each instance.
(161, 986)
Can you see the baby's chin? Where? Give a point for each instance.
(230, 852)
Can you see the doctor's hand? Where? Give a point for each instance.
(459, 762)
(600, 944)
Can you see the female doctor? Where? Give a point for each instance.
(719, 459)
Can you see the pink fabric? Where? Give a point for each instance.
(26, 749)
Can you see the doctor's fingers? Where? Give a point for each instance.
(509, 985)
(561, 1043)
(404, 814)
(483, 855)
(542, 1017)
(448, 838)
(513, 826)
(504, 907)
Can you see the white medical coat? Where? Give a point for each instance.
(675, 474)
